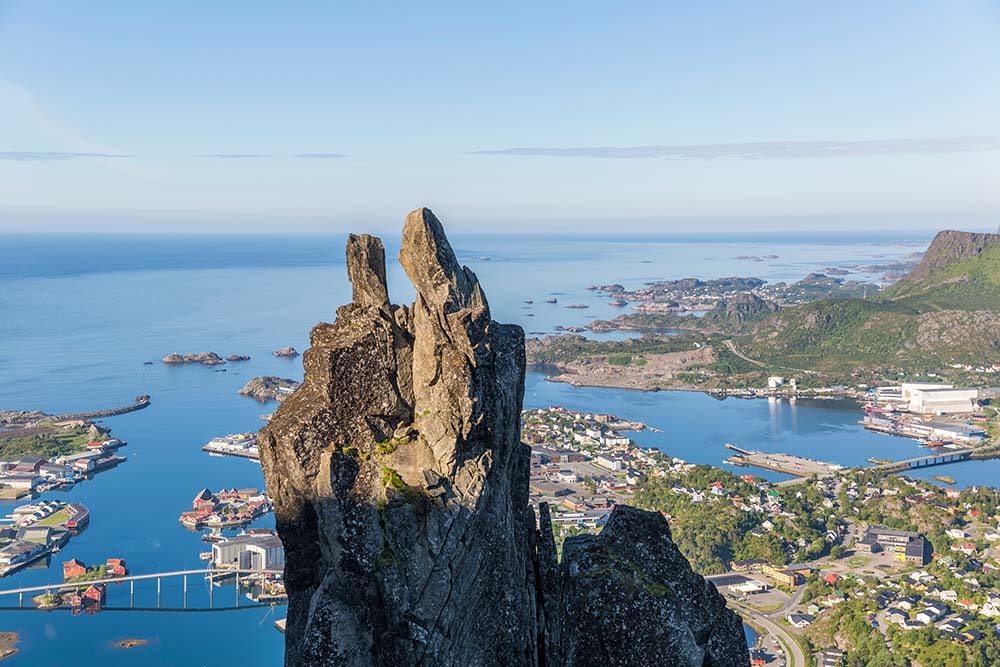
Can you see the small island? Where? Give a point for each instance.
(203, 358)
(225, 509)
(130, 643)
(8, 644)
(288, 352)
(238, 357)
(269, 388)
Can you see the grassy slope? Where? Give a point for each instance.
(55, 442)
(916, 325)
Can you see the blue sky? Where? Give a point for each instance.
(574, 116)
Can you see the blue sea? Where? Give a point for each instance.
(79, 316)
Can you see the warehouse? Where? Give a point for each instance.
(939, 399)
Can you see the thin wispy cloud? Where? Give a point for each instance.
(320, 156)
(50, 156)
(235, 156)
(258, 156)
(763, 150)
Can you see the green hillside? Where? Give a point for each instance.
(946, 311)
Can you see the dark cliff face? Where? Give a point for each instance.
(401, 496)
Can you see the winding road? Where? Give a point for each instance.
(731, 346)
(794, 656)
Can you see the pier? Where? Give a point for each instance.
(789, 464)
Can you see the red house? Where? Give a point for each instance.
(94, 594)
(116, 567)
(205, 499)
(831, 579)
(73, 568)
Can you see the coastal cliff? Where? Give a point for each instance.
(401, 497)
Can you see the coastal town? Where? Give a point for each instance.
(811, 548)
(906, 554)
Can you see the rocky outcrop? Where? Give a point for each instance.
(289, 352)
(744, 307)
(238, 357)
(268, 388)
(401, 496)
(948, 248)
(630, 598)
(204, 358)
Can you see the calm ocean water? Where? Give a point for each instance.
(80, 315)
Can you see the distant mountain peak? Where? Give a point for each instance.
(947, 249)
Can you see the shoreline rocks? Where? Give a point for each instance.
(288, 352)
(269, 388)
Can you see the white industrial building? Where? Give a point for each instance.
(939, 399)
(249, 552)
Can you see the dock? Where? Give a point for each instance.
(251, 453)
(789, 464)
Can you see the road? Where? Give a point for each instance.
(794, 656)
(731, 346)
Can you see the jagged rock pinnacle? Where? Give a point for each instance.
(366, 270)
(400, 487)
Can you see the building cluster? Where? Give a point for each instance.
(76, 570)
(34, 531)
(582, 464)
(917, 602)
(34, 474)
(934, 432)
(992, 368)
(227, 508)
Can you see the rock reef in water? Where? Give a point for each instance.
(289, 352)
(204, 358)
(401, 496)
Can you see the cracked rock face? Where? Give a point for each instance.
(401, 495)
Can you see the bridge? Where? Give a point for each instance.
(14, 598)
(944, 458)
